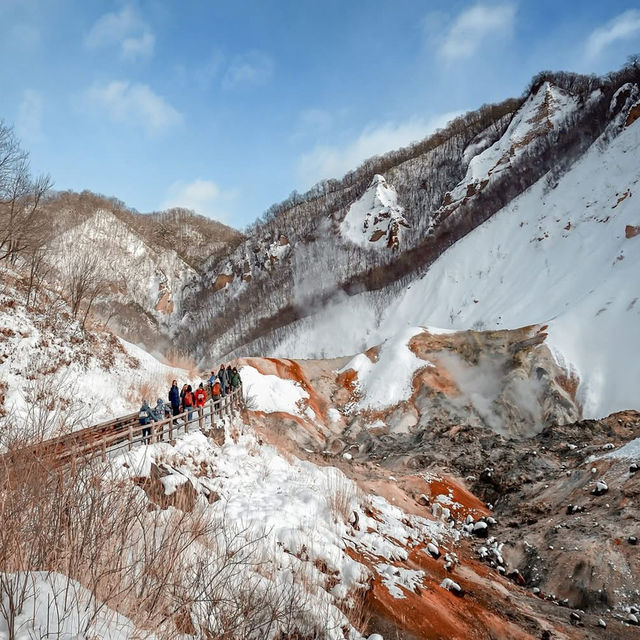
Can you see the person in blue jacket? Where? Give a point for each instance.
(174, 398)
(145, 416)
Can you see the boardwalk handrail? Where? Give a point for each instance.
(126, 431)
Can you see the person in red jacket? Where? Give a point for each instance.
(201, 396)
(189, 402)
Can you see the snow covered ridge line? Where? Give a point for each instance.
(548, 108)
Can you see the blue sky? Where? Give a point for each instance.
(226, 107)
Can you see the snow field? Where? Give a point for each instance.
(56, 606)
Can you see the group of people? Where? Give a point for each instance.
(220, 384)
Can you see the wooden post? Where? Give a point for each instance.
(130, 435)
(212, 409)
(186, 422)
(171, 427)
(104, 449)
(200, 417)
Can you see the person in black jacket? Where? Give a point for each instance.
(174, 398)
(224, 381)
(229, 376)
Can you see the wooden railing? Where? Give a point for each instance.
(125, 432)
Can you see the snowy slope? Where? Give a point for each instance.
(54, 376)
(553, 255)
(303, 522)
(374, 220)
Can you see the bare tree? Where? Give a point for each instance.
(84, 283)
(21, 197)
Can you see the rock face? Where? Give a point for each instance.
(507, 381)
(376, 218)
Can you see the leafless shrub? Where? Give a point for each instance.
(22, 223)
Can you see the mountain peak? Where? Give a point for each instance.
(375, 216)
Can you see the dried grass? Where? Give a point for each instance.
(342, 494)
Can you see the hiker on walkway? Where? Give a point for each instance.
(222, 376)
(236, 381)
(160, 410)
(145, 415)
(174, 398)
(216, 390)
(212, 379)
(229, 374)
(182, 394)
(189, 401)
(201, 396)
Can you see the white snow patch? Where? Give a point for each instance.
(388, 380)
(272, 394)
(396, 577)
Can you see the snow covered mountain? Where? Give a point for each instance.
(140, 264)
(517, 214)
(136, 272)
(561, 253)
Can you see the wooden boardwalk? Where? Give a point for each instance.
(125, 432)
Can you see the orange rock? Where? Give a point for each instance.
(631, 232)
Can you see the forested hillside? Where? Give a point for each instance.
(296, 261)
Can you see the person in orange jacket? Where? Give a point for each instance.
(201, 396)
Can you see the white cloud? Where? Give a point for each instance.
(474, 27)
(140, 47)
(316, 120)
(29, 120)
(253, 68)
(125, 30)
(133, 104)
(623, 27)
(326, 161)
(203, 196)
